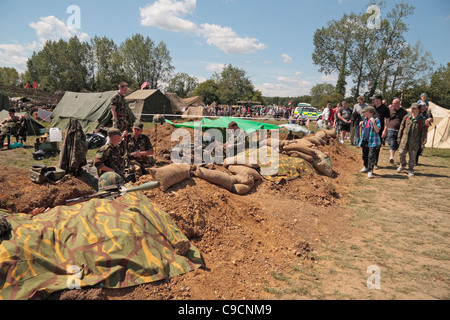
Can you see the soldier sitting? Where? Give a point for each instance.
(7, 124)
(139, 150)
(109, 158)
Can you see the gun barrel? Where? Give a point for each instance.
(146, 186)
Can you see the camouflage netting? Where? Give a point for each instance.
(103, 243)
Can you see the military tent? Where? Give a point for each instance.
(4, 102)
(178, 106)
(33, 127)
(196, 101)
(146, 103)
(439, 134)
(92, 110)
(195, 111)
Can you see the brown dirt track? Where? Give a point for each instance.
(245, 240)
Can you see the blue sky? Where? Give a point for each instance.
(272, 40)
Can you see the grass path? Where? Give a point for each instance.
(401, 229)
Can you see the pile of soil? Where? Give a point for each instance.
(244, 239)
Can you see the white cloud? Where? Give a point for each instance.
(286, 58)
(47, 28)
(215, 67)
(166, 15)
(169, 15)
(226, 40)
(286, 86)
(51, 28)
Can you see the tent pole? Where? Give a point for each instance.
(432, 142)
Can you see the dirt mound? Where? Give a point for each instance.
(19, 194)
(245, 239)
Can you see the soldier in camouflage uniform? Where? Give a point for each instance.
(238, 142)
(120, 117)
(110, 154)
(7, 124)
(139, 150)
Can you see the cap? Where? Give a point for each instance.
(421, 103)
(114, 131)
(377, 96)
(424, 95)
(138, 125)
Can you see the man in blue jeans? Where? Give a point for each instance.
(396, 115)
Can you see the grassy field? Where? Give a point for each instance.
(400, 225)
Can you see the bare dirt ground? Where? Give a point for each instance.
(310, 238)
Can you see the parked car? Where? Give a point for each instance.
(308, 111)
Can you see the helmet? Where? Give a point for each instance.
(158, 119)
(109, 179)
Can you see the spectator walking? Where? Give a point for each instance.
(412, 135)
(370, 140)
(356, 119)
(382, 113)
(345, 117)
(396, 115)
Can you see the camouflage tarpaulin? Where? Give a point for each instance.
(288, 168)
(103, 243)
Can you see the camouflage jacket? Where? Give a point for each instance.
(9, 124)
(108, 154)
(118, 101)
(142, 143)
(413, 133)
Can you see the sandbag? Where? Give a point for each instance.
(321, 135)
(242, 179)
(314, 140)
(171, 174)
(323, 164)
(305, 147)
(331, 133)
(216, 177)
(236, 161)
(298, 154)
(243, 170)
(242, 188)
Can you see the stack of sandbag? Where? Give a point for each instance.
(240, 183)
(306, 148)
(171, 174)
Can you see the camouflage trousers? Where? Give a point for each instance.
(138, 167)
(122, 124)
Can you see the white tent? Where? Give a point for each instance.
(439, 134)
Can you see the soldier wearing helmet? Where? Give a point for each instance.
(110, 155)
(139, 150)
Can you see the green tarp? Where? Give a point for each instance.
(246, 125)
(100, 243)
(90, 109)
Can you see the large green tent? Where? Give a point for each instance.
(222, 123)
(4, 102)
(92, 110)
(145, 103)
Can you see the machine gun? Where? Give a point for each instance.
(115, 191)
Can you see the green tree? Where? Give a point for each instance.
(183, 85)
(233, 85)
(208, 91)
(320, 90)
(440, 86)
(9, 76)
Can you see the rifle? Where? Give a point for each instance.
(120, 173)
(115, 191)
